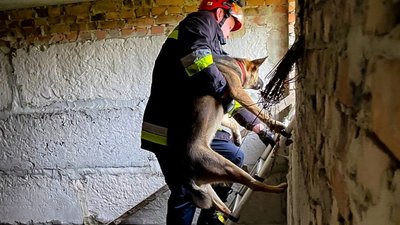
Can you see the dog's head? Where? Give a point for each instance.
(253, 81)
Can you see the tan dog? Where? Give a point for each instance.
(197, 163)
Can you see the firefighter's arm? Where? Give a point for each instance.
(198, 56)
(249, 121)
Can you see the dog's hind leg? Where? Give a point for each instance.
(217, 202)
(200, 195)
(236, 174)
(220, 169)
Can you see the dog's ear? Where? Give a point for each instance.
(258, 62)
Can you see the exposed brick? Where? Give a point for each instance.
(16, 32)
(141, 22)
(91, 26)
(4, 44)
(192, 3)
(157, 30)
(128, 25)
(127, 4)
(128, 13)
(111, 24)
(83, 27)
(54, 20)
(99, 16)
(127, 32)
(137, 3)
(139, 32)
(158, 11)
(83, 18)
(114, 33)
(189, 9)
(13, 24)
(275, 2)
(57, 38)
(35, 31)
(291, 8)
(143, 3)
(74, 27)
(77, 9)
(22, 14)
(169, 2)
(72, 36)
(140, 12)
(42, 12)
(113, 16)
(281, 9)
(174, 10)
(69, 19)
(104, 6)
(85, 35)
(171, 19)
(54, 11)
(254, 2)
(147, 3)
(59, 28)
(41, 21)
(45, 30)
(3, 15)
(100, 34)
(292, 17)
(28, 23)
(3, 24)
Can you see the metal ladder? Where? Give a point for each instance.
(260, 169)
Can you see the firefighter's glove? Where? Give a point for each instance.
(267, 137)
(278, 127)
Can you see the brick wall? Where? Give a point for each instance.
(346, 157)
(105, 19)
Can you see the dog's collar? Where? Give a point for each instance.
(242, 71)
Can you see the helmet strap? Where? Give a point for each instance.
(227, 14)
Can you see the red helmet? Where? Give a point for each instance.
(230, 6)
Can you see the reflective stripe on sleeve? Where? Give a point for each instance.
(197, 61)
(154, 133)
(236, 106)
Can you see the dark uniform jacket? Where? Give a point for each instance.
(183, 68)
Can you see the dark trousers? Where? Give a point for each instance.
(181, 209)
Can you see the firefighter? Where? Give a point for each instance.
(184, 68)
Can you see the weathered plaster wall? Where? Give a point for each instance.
(346, 156)
(74, 81)
(70, 139)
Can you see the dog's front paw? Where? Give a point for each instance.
(281, 187)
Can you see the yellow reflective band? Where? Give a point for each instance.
(236, 106)
(221, 217)
(158, 139)
(174, 34)
(199, 65)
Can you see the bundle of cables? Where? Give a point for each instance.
(273, 92)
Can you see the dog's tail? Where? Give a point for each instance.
(200, 196)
